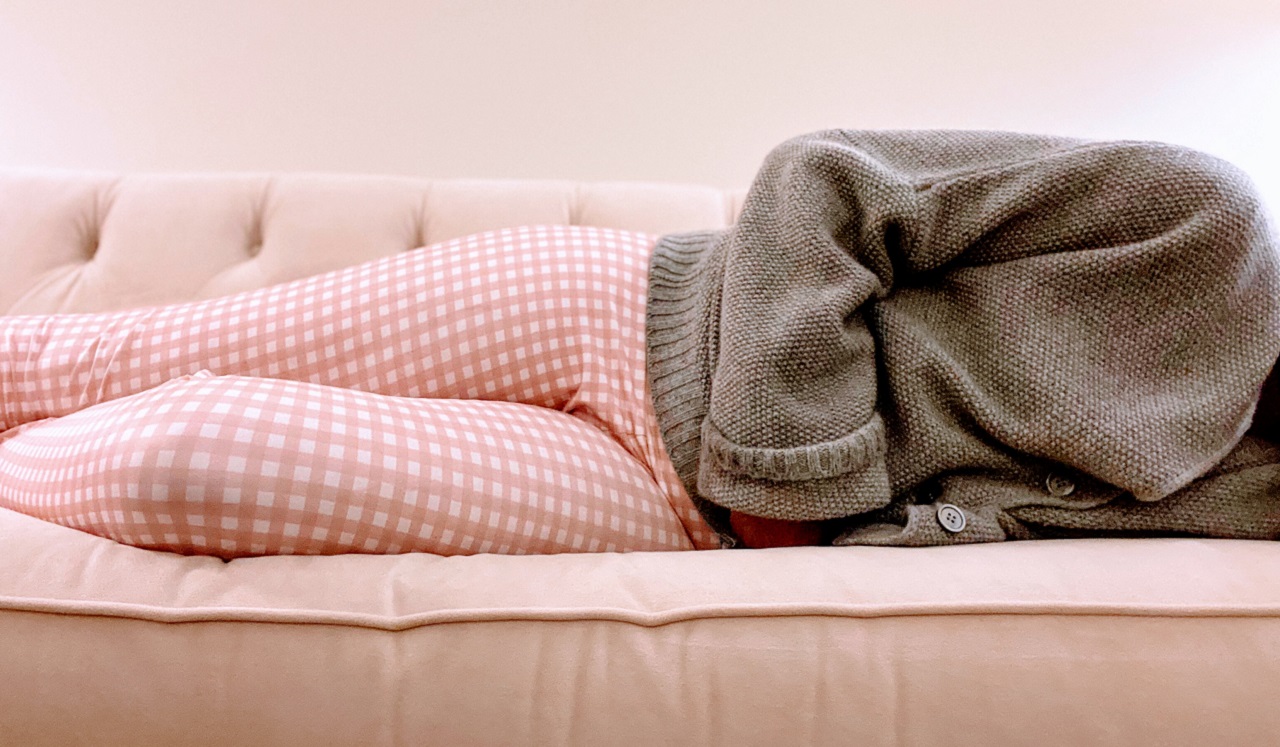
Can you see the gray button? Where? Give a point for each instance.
(1059, 486)
(951, 517)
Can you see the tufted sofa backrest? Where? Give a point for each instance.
(74, 242)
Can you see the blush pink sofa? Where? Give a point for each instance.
(1128, 642)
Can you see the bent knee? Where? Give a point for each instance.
(175, 458)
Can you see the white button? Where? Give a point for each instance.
(951, 517)
(1059, 486)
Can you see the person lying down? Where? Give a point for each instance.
(918, 337)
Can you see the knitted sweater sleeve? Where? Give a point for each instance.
(792, 429)
(834, 222)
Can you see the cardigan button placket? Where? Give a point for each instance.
(1059, 486)
(951, 517)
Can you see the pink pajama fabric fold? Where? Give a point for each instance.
(486, 394)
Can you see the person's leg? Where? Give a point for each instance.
(550, 316)
(506, 314)
(236, 466)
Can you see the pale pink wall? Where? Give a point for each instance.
(671, 90)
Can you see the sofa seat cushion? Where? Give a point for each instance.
(869, 645)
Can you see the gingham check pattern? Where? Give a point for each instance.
(486, 394)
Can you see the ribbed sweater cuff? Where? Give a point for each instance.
(680, 325)
(855, 451)
(677, 331)
(807, 483)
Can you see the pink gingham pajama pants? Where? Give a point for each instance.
(485, 394)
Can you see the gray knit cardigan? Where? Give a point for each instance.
(939, 337)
